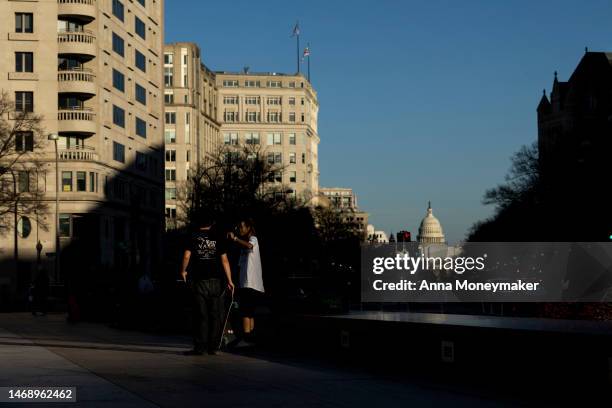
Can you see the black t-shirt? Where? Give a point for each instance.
(206, 248)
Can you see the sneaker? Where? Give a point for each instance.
(193, 353)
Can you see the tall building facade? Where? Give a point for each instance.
(93, 70)
(345, 201)
(279, 114)
(191, 119)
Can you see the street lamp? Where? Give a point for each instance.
(54, 137)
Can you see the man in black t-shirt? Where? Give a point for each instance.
(210, 273)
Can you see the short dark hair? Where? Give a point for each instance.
(203, 219)
(250, 224)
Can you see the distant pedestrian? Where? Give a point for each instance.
(251, 287)
(209, 270)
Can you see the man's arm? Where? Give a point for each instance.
(228, 271)
(185, 263)
(241, 242)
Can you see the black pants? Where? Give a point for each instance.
(207, 314)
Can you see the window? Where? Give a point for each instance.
(141, 94)
(292, 139)
(66, 181)
(171, 194)
(169, 98)
(118, 45)
(118, 80)
(292, 176)
(230, 139)
(118, 152)
(291, 158)
(140, 28)
(24, 141)
(170, 212)
(274, 84)
(170, 155)
(81, 180)
(252, 116)
(251, 138)
(118, 116)
(140, 60)
(170, 174)
(170, 118)
(291, 116)
(274, 117)
(118, 9)
(24, 62)
(141, 161)
(187, 156)
(292, 84)
(291, 101)
(141, 128)
(92, 182)
(252, 100)
(168, 59)
(24, 101)
(274, 100)
(302, 101)
(230, 100)
(23, 182)
(274, 139)
(303, 158)
(24, 22)
(230, 83)
(278, 158)
(168, 77)
(303, 117)
(230, 116)
(142, 3)
(251, 84)
(170, 136)
(64, 225)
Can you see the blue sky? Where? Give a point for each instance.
(420, 100)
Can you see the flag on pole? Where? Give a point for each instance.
(306, 52)
(296, 30)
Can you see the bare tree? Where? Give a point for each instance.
(21, 168)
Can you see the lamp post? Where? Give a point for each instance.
(54, 137)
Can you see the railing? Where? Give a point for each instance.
(76, 74)
(78, 153)
(69, 36)
(86, 2)
(76, 114)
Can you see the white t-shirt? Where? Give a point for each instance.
(250, 267)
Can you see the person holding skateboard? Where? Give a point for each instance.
(251, 286)
(206, 257)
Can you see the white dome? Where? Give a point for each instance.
(430, 231)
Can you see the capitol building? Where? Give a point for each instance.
(430, 230)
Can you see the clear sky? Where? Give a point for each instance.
(420, 100)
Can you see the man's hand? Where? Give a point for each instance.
(230, 286)
(184, 276)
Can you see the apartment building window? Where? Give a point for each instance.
(92, 182)
(118, 80)
(278, 158)
(141, 161)
(23, 182)
(253, 117)
(187, 156)
(170, 136)
(278, 176)
(24, 101)
(140, 28)
(168, 59)
(274, 100)
(118, 152)
(252, 100)
(270, 158)
(292, 176)
(141, 128)
(230, 100)
(118, 10)
(141, 94)
(171, 193)
(170, 155)
(24, 62)
(66, 181)
(81, 181)
(143, 3)
(64, 225)
(303, 158)
(303, 117)
(24, 141)
(170, 118)
(274, 139)
(251, 138)
(274, 84)
(118, 45)
(170, 212)
(140, 61)
(230, 139)
(118, 116)
(292, 84)
(168, 77)
(230, 83)
(170, 174)
(169, 98)
(252, 84)
(274, 117)
(292, 101)
(230, 116)
(24, 22)
(291, 116)
(292, 139)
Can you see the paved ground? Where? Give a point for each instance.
(130, 369)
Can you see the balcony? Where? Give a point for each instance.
(77, 81)
(82, 10)
(82, 43)
(78, 153)
(80, 121)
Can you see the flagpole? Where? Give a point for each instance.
(298, 50)
(309, 63)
